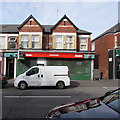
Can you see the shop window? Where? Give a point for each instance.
(70, 42)
(35, 41)
(83, 43)
(12, 42)
(24, 41)
(59, 42)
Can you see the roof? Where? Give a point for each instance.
(47, 28)
(114, 29)
(9, 28)
(64, 17)
(79, 31)
(28, 20)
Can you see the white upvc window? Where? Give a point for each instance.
(59, 42)
(24, 41)
(69, 42)
(93, 46)
(35, 41)
(12, 42)
(2, 42)
(83, 43)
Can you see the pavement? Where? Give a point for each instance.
(87, 83)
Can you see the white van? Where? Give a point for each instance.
(44, 76)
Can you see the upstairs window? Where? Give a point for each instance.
(93, 46)
(59, 42)
(70, 42)
(24, 41)
(12, 42)
(35, 41)
(83, 43)
(2, 42)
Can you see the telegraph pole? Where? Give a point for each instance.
(57, 13)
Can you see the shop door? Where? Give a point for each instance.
(10, 68)
(79, 69)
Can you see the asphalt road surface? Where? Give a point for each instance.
(35, 102)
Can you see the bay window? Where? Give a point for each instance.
(83, 43)
(24, 41)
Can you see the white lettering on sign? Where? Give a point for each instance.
(80, 56)
(29, 55)
(53, 55)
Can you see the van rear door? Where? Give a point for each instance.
(33, 76)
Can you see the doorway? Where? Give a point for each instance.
(10, 68)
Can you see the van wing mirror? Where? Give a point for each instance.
(27, 74)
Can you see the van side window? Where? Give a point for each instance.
(32, 71)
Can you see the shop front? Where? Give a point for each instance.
(118, 63)
(114, 64)
(10, 64)
(80, 64)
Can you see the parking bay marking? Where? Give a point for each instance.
(37, 96)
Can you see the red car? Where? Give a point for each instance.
(4, 80)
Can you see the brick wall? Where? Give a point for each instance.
(67, 28)
(118, 38)
(31, 28)
(102, 45)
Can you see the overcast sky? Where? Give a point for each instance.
(95, 17)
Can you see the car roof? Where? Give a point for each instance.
(102, 111)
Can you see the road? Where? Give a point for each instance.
(35, 102)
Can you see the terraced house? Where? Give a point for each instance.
(31, 43)
(107, 52)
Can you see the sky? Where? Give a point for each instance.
(95, 17)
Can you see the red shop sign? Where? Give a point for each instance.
(54, 55)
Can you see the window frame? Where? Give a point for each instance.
(3, 44)
(25, 41)
(35, 41)
(59, 42)
(85, 44)
(69, 42)
(13, 42)
(93, 46)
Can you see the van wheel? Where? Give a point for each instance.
(22, 85)
(60, 85)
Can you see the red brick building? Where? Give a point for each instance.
(103, 44)
(59, 44)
